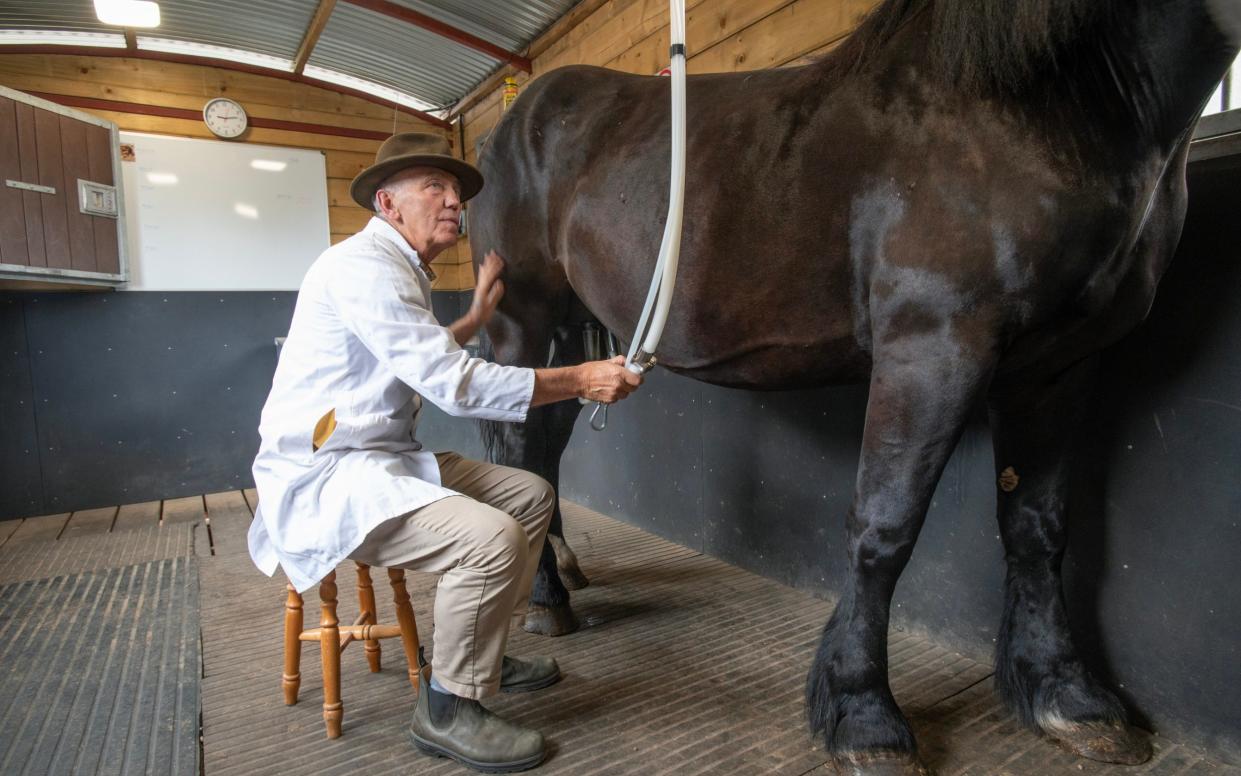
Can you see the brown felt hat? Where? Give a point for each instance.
(413, 149)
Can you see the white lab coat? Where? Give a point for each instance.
(364, 343)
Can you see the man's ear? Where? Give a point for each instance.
(384, 198)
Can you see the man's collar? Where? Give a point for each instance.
(382, 228)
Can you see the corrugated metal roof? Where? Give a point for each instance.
(356, 42)
(273, 27)
(382, 49)
(75, 15)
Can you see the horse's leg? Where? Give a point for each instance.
(922, 389)
(522, 338)
(562, 417)
(1038, 672)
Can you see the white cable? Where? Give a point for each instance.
(659, 298)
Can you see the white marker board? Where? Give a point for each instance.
(207, 215)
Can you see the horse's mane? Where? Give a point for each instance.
(980, 45)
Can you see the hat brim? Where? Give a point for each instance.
(369, 180)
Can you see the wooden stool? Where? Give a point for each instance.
(333, 638)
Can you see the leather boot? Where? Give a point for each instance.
(464, 730)
(518, 675)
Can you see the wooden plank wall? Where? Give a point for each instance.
(722, 36)
(171, 85)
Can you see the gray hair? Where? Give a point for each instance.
(391, 184)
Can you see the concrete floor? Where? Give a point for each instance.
(684, 665)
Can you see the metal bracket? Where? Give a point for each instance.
(29, 186)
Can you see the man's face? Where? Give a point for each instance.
(424, 205)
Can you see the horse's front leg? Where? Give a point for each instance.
(922, 388)
(1038, 671)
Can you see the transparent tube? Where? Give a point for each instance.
(659, 298)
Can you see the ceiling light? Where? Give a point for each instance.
(267, 165)
(170, 46)
(128, 13)
(62, 38)
(370, 87)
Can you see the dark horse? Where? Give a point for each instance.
(964, 202)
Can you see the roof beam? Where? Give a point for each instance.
(222, 64)
(131, 39)
(410, 16)
(313, 31)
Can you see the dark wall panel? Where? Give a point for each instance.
(21, 491)
(146, 395)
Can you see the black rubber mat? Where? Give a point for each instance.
(100, 672)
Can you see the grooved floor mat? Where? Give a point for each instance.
(683, 665)
(100, 671)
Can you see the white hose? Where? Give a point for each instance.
(659, 298)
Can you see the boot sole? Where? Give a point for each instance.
(547, 681)
(435, 750)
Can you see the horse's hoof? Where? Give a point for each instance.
(566, 564)
(1108, 742)
(877, 764)
(572, 577)
(550, 620)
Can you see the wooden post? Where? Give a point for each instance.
(329, 645)
(292, 646)
(366, 601)
(405, 617)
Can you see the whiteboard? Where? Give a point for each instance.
(206, 215)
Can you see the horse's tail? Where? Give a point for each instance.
(491, 431)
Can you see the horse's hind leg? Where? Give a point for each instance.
(922, 390)
(561, 418)
(522, 338)
(1038, 672)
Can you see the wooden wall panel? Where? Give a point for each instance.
(32, 202)
(74, 156)
(13, 245)
(99, 148)
(51, 172)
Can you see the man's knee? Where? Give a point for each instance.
(505, 548)
(542, 499)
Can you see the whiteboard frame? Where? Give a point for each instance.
(232, 143)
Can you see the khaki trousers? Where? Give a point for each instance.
(485, 544)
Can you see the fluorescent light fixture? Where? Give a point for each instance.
(128, 13)
(169, 46)
(61, 38)
(267, 165)
(370, 87)
(162, 178)
(246, 211)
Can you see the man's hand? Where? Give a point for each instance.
(601, 381)
(608, 381)
(489, 288)
(488, 291)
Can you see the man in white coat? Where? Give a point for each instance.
(341, 475)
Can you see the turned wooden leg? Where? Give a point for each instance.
(405, 618)
(329, 644)
(292, 646)
(366, 601)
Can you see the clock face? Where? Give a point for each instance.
(225, 117)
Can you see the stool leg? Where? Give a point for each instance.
(292, 680)
(329, 644)
(366, 601)
(405, 618)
